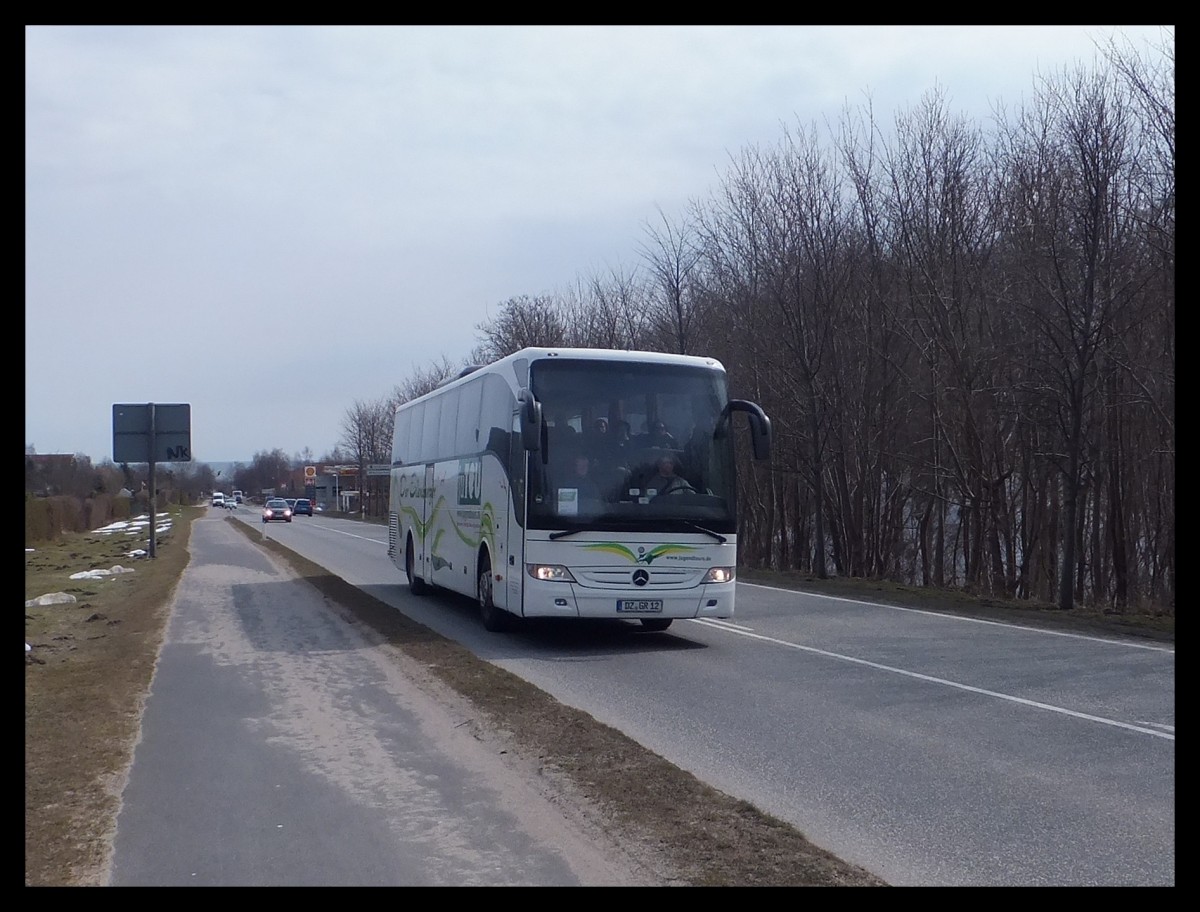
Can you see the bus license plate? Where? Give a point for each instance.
(639, 606)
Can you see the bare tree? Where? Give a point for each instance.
(777, 245)
(673, 257)
(588, 322)
(268, 470)
(894, 425)
(1068, 163)
(945, 213)
(730, 237)
(522, 322)
(611, 313)
(422, 381)
(1151, 80)
(367, 436)
(1142, 481)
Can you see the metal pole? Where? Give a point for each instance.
(153, 489)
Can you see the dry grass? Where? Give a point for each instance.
(85, 681)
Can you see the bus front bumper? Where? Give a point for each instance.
(561, 599)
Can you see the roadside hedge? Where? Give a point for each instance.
(47, 518)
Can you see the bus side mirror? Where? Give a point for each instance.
(531, 420)
(760, 426)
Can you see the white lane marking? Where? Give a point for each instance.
(348, 534)
(1170, 728)
(717, 622)
(922, 677)
(956, 617)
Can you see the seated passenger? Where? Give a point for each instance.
(659, 436)
(587, 492)
(597, 440)
(582, 477)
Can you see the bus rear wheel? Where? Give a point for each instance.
(656, 623)
(496, 620)
(415, 583)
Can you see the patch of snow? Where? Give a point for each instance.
(51, 598)
(97, 574)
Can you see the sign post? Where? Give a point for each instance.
(152, 433)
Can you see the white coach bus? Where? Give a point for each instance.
(491, 496)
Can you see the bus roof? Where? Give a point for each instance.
(614, 354)
(584, 354)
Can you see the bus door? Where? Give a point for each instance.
(428, 499)
(510, 526)
(501, 539)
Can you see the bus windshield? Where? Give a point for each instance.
(630, 446)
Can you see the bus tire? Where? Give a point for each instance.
(495, 620)
(656, 623)
(415, 584)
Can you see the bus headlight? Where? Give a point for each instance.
(719, 575)
(551, 573)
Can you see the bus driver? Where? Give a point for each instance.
(667, 481)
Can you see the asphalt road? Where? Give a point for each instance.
(931, 750)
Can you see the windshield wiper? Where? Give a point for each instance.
(565, 533)
(699, 528)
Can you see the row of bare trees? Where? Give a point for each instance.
(76, 477)
(964, 338)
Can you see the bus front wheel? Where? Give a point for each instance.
(495, 619)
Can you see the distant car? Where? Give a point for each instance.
(291, 502)
(277, 510)
(302, 506)
(218, 499)
(231, 503)
(320, 508)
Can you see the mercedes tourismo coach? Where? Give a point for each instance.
(576, 483)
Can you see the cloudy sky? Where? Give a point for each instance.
(270, 223)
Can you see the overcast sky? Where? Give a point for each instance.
(269, 223)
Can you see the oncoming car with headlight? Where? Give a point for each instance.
(276, 510)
